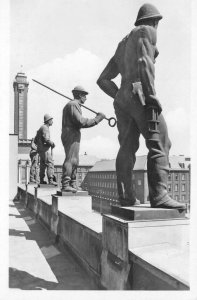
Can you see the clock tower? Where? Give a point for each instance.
(20, 86)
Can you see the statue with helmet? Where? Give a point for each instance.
(44, 144)
(139, 111)
(72, 122)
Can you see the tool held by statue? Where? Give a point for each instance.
(111, 121)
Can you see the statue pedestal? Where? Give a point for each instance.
(145, 212)
(78, 193)
(131, 231)
(32, 183)
(47, 186)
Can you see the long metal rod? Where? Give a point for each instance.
(63, 95)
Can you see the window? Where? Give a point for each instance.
(176, 187)
(176, 176)
(183, 177)
(183, 197)
(133, 176)
(169, 188)
(176, 197)
(169, 176)
(139, 182)
(183, 188)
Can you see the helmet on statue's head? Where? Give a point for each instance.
(146, 12)
(47, 117)
(79, 89)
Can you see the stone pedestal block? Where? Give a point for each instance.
(134, 213)
(78, 193)
(36, 203)
(129, 234)
(54, 217)
(114, 260)
(48, 186)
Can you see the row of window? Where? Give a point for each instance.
(114, 194)
(104, 193)
(83, 170)
(177, 197)
(103, 184)
(102, 175)
(177, 176)
(176, 187)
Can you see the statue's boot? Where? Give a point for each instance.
(73, 184)
(66, 186)
(43, 182)
(168, 202)
(129, 201)
(52, 182)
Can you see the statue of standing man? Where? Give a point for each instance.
(72, 122)
(44, 148)
(138, 110)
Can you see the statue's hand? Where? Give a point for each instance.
(100, 116)
(152, 100)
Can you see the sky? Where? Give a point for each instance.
(65, 43)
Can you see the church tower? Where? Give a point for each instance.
(20, 86)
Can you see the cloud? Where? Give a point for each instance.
(81, 66)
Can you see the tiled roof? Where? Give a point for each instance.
(140, 164)
(176, 162)
(109, 165)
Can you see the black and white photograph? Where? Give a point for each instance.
(98, 120)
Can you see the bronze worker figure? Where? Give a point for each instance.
(44, 143)
(138, 110)
(72, 122)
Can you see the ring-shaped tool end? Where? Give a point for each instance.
(112, 122)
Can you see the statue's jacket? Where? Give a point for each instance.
(72, 122)
(42, 139)
(138, 46)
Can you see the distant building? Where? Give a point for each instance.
(101, 179)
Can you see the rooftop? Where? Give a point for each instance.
(176, 163)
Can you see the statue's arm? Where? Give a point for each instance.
(105, 79)
(46, 136)
(145, 66)
(33, 145)
(145, 51)
(79, 121)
